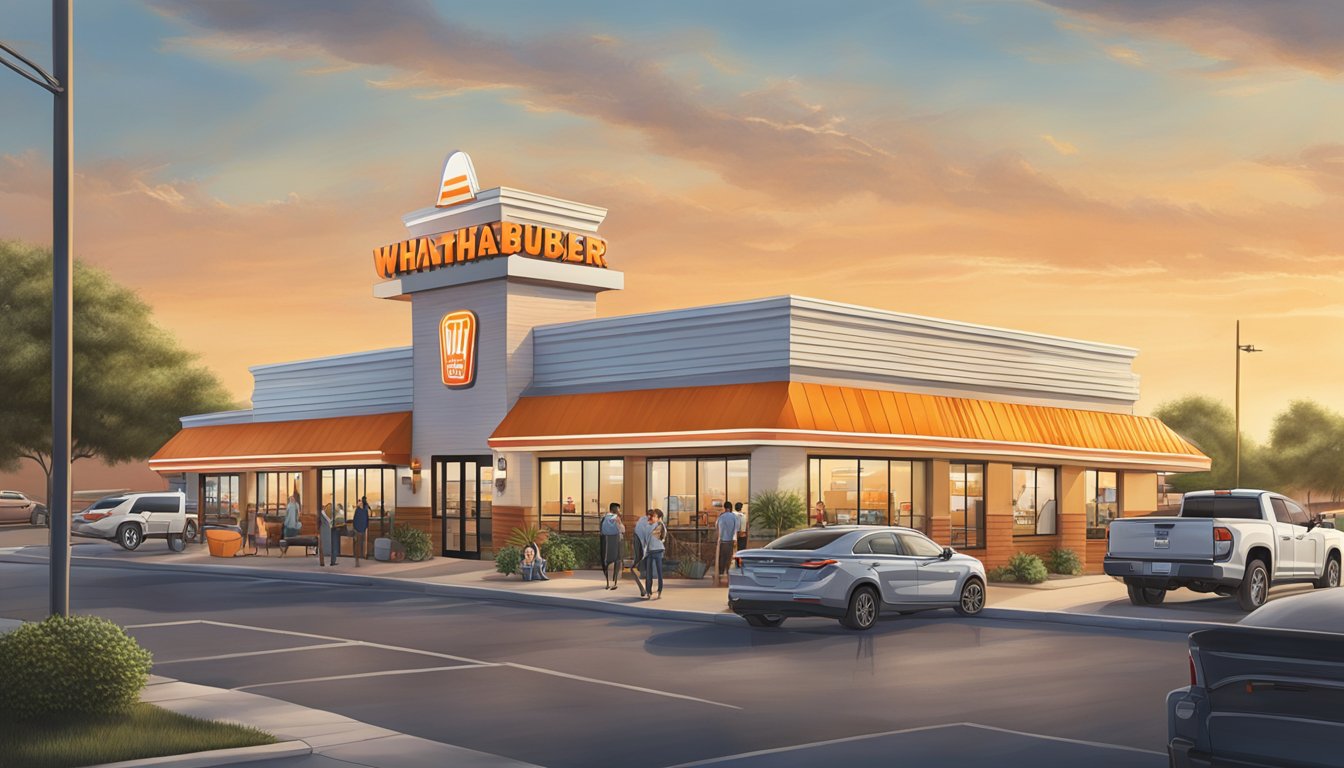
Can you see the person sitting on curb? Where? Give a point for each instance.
(533, 566)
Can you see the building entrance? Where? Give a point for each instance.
(463, 494)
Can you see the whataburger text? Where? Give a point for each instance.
(486, 241)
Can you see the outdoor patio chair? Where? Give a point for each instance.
(224, 541)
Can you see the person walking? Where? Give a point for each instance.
(726, 526)
(640, 566)
(741, 526)
(656, 547)
(613, 534)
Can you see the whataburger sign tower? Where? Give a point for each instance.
(483, 241)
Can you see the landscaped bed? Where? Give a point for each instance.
(67, 740)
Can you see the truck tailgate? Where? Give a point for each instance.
(1274, 697)
(1161, 538)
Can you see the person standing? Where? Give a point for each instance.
(741, 526)
(361, 525)
(727, 526)
(819, 515)
(640, 566)
(613, 533)
(654, 555)
(325, 535)
(291, 524)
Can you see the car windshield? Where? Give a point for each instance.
(1236, 507)
(805, 540)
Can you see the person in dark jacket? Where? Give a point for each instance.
(361, 526)
(613, 534)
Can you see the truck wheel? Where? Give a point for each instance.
(1254, 589)
(129, 536)
(1145, 595)
(1330, 578)
(175, 542)
(862, 613)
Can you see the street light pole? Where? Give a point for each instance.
(62, 290)
(1236, 472)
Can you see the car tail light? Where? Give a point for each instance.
(817, 564)
(1222, 541)
(737, 562)
(89, 517)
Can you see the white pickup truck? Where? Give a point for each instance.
(1227, 542)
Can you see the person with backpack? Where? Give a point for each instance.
(613, 531)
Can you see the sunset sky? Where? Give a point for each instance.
(1139, 173)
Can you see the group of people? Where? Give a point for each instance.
(650, 546)
(732, 535)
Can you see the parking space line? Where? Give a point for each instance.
(256, 653)
(383, 673)
(467, 662)
(595, 681)
(1081, 742)
(166, 624)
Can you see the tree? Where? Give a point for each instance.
(1307, 445)
(132, 381)
(777, 510)
(1211, 427)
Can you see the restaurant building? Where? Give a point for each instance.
(515, 403)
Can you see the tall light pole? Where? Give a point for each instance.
(1236, 472)
(58, 83)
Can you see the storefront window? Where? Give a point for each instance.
(219, 499)
(340, 488)
(968, 505)
(1103, 501)
(576, 492)
(273, 491)
(1034, 505)
(868, 491)
(692, 492)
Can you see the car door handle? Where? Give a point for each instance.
(1285, 538)
(874, 565)
(1299, 538)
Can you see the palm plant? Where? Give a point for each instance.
(778, 511)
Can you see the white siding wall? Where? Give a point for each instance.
(343, 385)
(800, 339)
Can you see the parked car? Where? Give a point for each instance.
(853, 573)
(1269, 691)
(1237, 542)
(16, 507)
(131, 518)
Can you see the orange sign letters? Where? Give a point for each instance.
(457, 348)
(486, 241)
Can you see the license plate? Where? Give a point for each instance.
(766, 570)
(1162, 568)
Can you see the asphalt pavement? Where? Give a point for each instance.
(563, 687)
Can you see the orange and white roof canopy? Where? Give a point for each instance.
(840, 417)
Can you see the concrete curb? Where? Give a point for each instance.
(235, 756)
(581, 603)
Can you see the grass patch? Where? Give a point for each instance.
(65, 741)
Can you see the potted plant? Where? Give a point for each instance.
(692, 568)
(779, 511)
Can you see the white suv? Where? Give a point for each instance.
(131, 518)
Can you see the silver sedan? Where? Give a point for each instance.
(852, 573)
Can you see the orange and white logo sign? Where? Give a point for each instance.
(457, 348)
(459, 181)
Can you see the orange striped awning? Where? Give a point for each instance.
(822, 415)
(378, 439)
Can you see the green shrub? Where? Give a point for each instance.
(524, 535)
(558, 556)
(1027, 569)
(1001, 574)
(586, 548)
(76, 664)
(414, 541)
(777, 512)
(1063, 561)
(508, 559)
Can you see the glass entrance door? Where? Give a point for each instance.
(463, 495)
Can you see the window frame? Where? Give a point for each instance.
(701, 526)
(206, 514)
(377, 513)
(602, 503)
(1092, 490)
(1036, 474)
(981, 518)
(894, 517)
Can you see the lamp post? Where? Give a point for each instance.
(58, 83)
(1236, 472)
